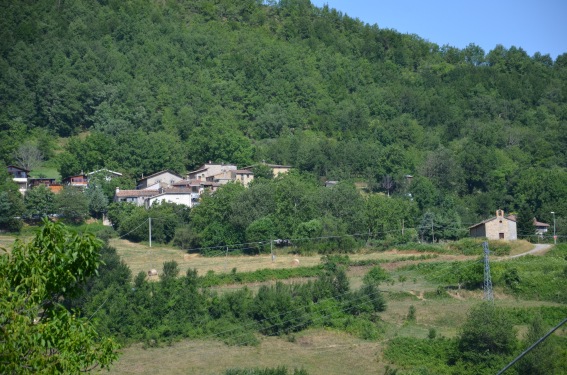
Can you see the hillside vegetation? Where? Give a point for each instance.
(169, 85)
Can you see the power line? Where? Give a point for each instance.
(532, 347)
(124, 235)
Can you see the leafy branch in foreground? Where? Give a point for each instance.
(37, 333)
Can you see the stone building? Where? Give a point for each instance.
(496, 228)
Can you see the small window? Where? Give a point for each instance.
(501, 236)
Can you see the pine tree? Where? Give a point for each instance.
(525, 222)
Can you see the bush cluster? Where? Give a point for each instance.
(181, 306)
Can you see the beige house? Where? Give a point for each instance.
(279, 169)
(244, 176)
(194, 185)
(159, 179)
(276, 168)
(212, 172)
(496, 228)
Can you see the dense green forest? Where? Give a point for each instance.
(141, 86)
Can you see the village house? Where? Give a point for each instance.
(47, 182)
(20, 177)
(35, 182)
(194, 185)
(168, 186)
(276, 168)
(106, 173)
(136, 197)
(220, 173)
(80, 181)
(158, 180)
(496, 228)
(173, 195)
(244, 176)
(209, 186)
(540, 228)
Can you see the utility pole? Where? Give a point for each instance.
(488, 295)
(432, 231)
(554, 235)
(150, 220)
(272, 250)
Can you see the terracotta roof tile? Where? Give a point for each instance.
(136, 193)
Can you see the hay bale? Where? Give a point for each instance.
(152, 272)
(295, 262)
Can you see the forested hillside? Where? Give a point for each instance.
(140, 86)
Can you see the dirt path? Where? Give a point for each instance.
(537, 248)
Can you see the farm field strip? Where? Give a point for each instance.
(140, 257)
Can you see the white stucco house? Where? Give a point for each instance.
(173, 195)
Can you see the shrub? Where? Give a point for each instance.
(277, 312)
(362, 328)
(486, 336)
(411, 352)
(185, 238)
(432, 333)
(472, 246)
(106, 234)
(376, 275)
(411, 314)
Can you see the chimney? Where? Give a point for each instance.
(117, 190)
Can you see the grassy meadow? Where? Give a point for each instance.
(327, 351)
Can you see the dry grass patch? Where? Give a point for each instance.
(6, 242)
(520, 246)
(319, 352)
(140, 257)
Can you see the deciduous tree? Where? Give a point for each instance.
(487, 336)
(11, 204)
(39, 201)
(38, 334)
(72, 204)
(28, 156)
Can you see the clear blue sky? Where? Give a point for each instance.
(533, 25)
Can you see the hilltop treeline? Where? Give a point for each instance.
(171, 84)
